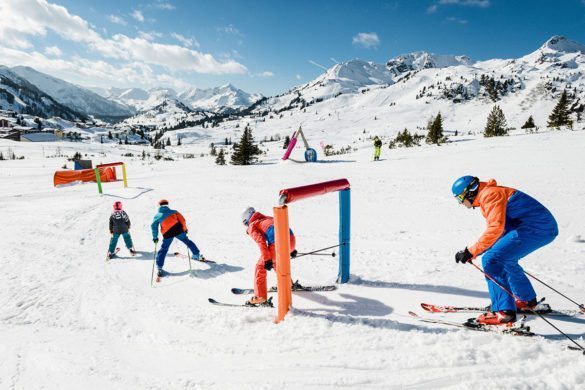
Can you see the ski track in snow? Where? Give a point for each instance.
(68, 319)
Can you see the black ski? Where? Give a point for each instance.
(268, 303)
(295, 287)
(201, 260)
(518, 329)
(470, 309)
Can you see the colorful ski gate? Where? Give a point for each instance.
(100, 167)
(310, 153)
(282, 236)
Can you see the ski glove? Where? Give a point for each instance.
(463, 256)
(155, 240)
(268, 265)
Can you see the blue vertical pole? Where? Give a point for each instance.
(344, 235)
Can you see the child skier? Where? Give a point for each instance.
(119, 226)
(516, 226)
(377, 148)
(261, 229)
(172, 224)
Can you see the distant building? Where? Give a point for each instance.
(39, 137)
(11, 134)
(5, 123)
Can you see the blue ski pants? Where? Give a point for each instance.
(166, 243)
(501, 263)
(114, 241)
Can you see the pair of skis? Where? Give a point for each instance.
(518, 328)
(295, 287)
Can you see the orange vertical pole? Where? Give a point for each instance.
(282, 241)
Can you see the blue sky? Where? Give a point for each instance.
(263, 46)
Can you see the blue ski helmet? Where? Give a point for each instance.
(465, 188)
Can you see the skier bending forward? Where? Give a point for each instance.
(261, 229)
(516, 226)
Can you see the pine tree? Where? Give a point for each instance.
(168, 142)
(213, 150)
(286, 142)
(1, 156)
(110, 134)
(220, 159)
(560, 114)
(529, 123)
(435, 134)
(178, 141)
(496, 123)
(245, 151)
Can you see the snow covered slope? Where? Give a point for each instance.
(69, 320)
(73, 96)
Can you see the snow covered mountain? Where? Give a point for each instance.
(410, 88)
(73, 96)
(424, 60)
(20, 95)
(220, 99)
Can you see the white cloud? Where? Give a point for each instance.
(298, 77)
(334, 60)
(149, 35)
(164, 5)
(265, 74)
(230, 29)
(25, 18)
(117, 20)
(467, 3)
(456, 20)
(187, 42)
(137, 14)
(432, 9)
(91, 72)
(366, 40)
(318, 65)
(53, 51)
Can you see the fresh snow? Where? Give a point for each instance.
(69, 320)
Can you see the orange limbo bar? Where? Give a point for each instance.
(283, 281)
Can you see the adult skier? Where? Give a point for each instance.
(517, 225)
(261, 229)
(377, 148)
(119, 226)
(172, 224)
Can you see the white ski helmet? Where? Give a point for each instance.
(247, 214)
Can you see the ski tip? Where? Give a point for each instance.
(413, 314)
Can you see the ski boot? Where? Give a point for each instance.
(132, 252)
(111, 255)
(533, 305)
(162, 273)
(503, 317)
(257, 301)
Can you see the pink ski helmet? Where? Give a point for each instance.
(117, 205)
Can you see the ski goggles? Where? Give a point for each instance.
(471, 187)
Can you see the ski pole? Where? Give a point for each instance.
(581, 348)
(319, 250)
(317, 254)
(581, 306)
(153, 263)
(189, 256)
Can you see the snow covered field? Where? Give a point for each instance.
(70, 321)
